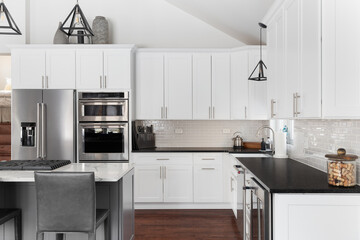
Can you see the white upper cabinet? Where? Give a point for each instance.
(117, 68)
(294, 44)
(178, 86)
(310, 72)
(28, 69)
(221, 86)
(341, 59)
(202, 86)
(60, 69)
(43, 69)
(89, 69)
(149, 85)
(257, 91)
(239, 84)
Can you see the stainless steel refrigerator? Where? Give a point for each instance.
(42, 125)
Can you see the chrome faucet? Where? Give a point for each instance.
(272, 130)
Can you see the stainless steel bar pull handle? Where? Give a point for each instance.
(47, 81)
(231, 184)
(294, 105)
(162, 159)
(42, 81)
(208, 159)
(207, 168)
(245, 112)
(213, 112)
(273, 114)
(166, 113)
(38, 131)
(43, 130)
(105, 82)
(297, 96)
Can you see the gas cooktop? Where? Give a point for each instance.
(32, 165)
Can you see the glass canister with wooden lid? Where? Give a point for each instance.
(341, 169)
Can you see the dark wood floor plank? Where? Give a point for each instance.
(185, 225)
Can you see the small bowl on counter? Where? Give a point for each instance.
(341, 169)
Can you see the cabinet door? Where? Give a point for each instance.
(234, 195)
(178, 86)
(117, 69)
(341, 59)
(89, 69)
(28, 71)
(309, 103)
(148, 183)
(221, 86)
(277, 74)
(272, 84)
(257, 90)
(292, 46)
(178, 183)
(149, 85)
(60, 69)
(202, 86)
(208, 183)
(239, 84)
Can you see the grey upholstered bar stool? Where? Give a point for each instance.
(66, 202)
(6, 214)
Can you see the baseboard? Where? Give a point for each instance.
(182, 206)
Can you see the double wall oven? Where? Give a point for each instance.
(103, 127)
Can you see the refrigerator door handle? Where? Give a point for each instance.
(38, 131)
(43, 130)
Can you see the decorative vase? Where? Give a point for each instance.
(100, 28)
(60, 37)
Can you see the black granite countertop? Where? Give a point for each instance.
(198, 149)
(290, 176)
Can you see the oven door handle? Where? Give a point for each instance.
(103, 102)
(103, 125)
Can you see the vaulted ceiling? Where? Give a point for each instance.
(237, 18)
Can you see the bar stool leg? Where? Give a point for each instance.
(60, 236)
(39, 236)
(107, 228)
(92, 236)
(18, 230)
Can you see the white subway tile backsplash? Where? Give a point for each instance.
(315, 138)
(202, 133)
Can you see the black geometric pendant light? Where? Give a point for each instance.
(76, 24)
(7, 23)
(261, 65)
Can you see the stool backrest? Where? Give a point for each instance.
(66, 202)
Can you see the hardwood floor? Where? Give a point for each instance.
(185, 225)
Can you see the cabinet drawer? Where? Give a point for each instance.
(208, 158)
(163, 158)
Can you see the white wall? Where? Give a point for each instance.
(5, 70)
(146, 23)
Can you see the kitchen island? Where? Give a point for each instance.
(294, 201)
(114, 191)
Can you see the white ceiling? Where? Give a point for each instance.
(237, 18)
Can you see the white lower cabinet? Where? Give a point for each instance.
(178, 183)
(324, 216)
(179, 178)
(163, 178)
(148, 183)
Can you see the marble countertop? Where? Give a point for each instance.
(104, 172)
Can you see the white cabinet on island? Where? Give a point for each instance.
(114, 191)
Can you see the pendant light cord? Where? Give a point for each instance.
(260, 44)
